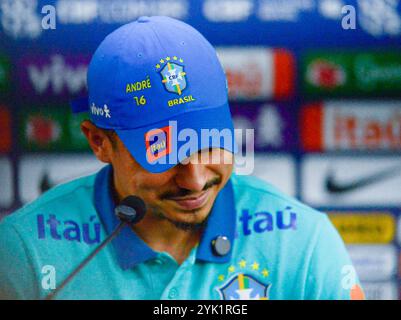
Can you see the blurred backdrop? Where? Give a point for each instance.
(318, 80)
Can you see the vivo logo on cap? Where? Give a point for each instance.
(102, 112)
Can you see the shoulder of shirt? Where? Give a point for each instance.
(245, 187)
(51, 199)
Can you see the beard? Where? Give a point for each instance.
(181, 225)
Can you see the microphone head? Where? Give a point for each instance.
(131, 210)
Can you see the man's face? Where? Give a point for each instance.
(183, 195)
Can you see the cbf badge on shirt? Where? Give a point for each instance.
(243, 286)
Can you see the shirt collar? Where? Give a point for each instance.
(131, 250)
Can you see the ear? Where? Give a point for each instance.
(98, 141)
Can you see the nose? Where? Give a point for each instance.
(191, 176)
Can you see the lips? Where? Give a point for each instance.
(192, 203)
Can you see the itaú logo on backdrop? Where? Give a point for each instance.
(380, 130)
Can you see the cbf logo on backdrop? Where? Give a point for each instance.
(173, 74)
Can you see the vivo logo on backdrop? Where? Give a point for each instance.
(53, 75)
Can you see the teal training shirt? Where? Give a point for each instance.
(280, 249)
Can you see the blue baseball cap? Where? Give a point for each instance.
(159, 84)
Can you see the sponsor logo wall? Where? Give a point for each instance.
(39, 173)
(351, 126)
(52, 76)
(278, 170)
(399, 231)
(350, 74)
(339, 181)
(6, 177)
(373, 262)
(5, 130)
(325, 104)
(258, 73)
(381, 290)
(365, 227)
(273, 124)
(49, 128)
(5, 73)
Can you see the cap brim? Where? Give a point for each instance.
(163, 145)
(80, 105)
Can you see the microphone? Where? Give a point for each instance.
(130, 211)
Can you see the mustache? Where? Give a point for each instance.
(185, 192)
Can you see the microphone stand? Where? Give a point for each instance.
(105, 242)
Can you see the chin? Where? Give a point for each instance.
(195, 216)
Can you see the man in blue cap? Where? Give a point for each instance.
(160, 119)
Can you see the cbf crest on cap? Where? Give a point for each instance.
(173, 75)
(159, 84)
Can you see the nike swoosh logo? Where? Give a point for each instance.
(335, 187)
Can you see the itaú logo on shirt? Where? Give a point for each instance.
(68, 230)
(264, 221)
